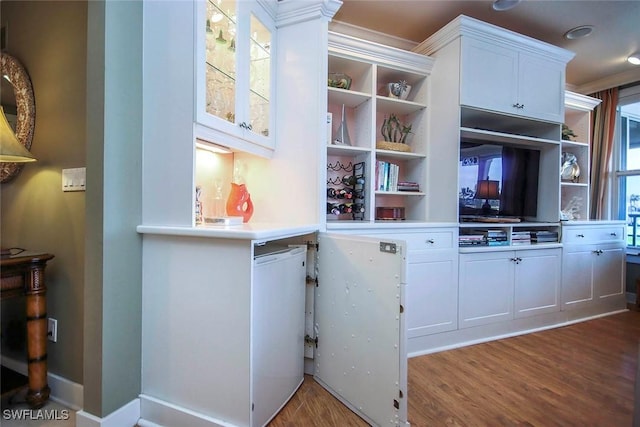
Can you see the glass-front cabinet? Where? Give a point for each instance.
(235, 54)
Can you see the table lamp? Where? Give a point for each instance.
(488, 190)
(11, 150)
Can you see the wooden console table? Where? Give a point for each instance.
(23, 274)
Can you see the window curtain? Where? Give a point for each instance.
(604, 121)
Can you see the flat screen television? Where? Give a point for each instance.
(498, 180)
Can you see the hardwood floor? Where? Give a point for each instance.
(578, 375)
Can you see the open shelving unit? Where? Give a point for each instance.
(367, 103)
(578, 110)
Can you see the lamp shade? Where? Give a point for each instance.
(11, 150)
(487, 189)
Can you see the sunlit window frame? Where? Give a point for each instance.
(619, 202)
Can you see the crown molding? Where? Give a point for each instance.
(292, 12)
(365, 50)
(580, 102)
(466, 26)
(615, 80)
(371, 35)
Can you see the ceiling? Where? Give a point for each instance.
(600, 60)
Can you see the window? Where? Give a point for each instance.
(628, 163)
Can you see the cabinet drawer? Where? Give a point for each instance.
(593, 234)
(430, 240)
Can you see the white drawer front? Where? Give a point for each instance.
(429, 240)
(593, 234)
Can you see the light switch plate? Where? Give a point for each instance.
(74, 179)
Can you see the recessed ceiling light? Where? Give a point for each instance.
(634, 59)
(501, 5)
(578, 32)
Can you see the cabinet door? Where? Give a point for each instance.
(577, 283)
(361, 356)
(277, 331)
(608, 272)
(234, 50)
(258, 113)
(537, 282)
(432, 293)
(541, 88)
(489, 76)
(486, 288)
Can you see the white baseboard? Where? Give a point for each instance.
(63, 391)
(156, 412)
(127, 415)
(434, 343)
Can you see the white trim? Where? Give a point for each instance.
(614, 80)
(467, 26)
(127, 415)
(579, 101)
(63, 391)
(156, 412)
(371, 35)
(470, 336)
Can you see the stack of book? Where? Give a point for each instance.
(497, 237)
(520, 237)
(544, 236)
(408, 186)
(472, 240)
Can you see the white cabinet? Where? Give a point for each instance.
(503, 285)
(537, 282)
(235, 48)
(500, 77)
(277, 300)
(486, 288)
(594, 264)
(481, 72)
(226, 343)
(432, 281)
(432, 293)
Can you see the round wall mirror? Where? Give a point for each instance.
(19, 91)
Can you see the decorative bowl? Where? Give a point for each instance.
(399, 90)
(339, 80)
(393, 146)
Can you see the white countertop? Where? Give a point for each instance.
(593, 222)
(250, 231)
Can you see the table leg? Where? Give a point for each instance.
(36, 304)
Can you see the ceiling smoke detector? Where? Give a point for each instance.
(578, 32)
(501, 5)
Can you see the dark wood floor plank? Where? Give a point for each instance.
(578, 375)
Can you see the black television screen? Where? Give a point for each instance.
(498, 180)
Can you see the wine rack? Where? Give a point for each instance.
(346, 191)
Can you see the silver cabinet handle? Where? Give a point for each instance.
(579, 235)
(614, 234)
(430, 241)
